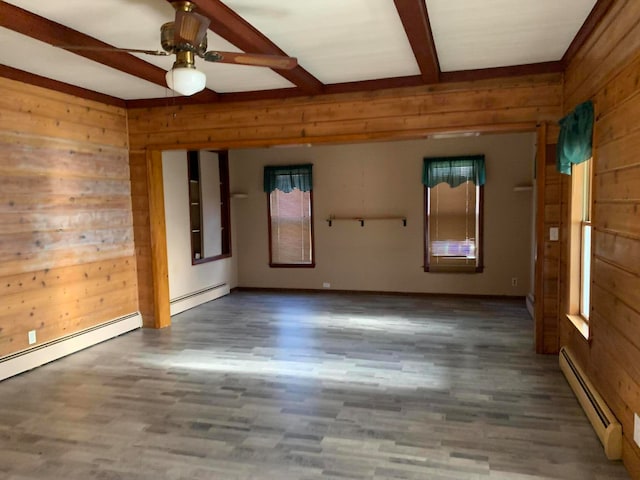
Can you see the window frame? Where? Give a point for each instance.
(272, 264)
(479, 268)
(581, 211)
(193, 158)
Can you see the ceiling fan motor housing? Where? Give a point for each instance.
(168, 42)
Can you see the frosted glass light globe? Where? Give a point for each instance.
(186, 81)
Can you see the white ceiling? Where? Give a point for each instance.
(336, 41)
(495, 33)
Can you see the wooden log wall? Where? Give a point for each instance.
(607, 70)
(401, 113)
(67, 258)
(513, 104)
(548, 264)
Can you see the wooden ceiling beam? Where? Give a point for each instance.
(285, 93)
(460, 76)
(415, 20)
(233, 28)
(501, 72)
(40, 28)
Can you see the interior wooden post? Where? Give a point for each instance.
(158, 233)
(541, 148)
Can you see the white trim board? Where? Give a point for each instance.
(39, 355)
(194, 299)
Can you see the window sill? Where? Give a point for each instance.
(453, 269)
(581, 324)
(210, 259)
(292, 265)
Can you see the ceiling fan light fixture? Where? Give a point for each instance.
(186, 80)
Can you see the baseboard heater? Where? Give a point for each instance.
(530, 302)
(193, 299)
(47, 352)
(605, 424)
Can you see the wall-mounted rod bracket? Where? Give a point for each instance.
(362, 220)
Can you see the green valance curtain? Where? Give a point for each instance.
(453, 170)
(287, 177)
(576, 132)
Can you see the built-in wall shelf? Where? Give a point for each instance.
(362, 220)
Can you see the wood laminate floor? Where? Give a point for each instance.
(297, 386)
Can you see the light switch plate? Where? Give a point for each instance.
(553, 234)
(636, 429)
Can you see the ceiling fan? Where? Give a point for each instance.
(186, 38)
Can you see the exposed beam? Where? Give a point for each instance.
(37, 80)
(40, 28)
(598, 11)
(284, 93)
(329, 89)
(374, 85)
(201, 98)
(361, 86)
(499, 72)
(415, 20)
(233, 28)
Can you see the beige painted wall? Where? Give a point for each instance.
(185, 278)
(383, 178)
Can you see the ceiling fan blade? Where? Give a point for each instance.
(255, 59)
(190, 27)
(113, 49)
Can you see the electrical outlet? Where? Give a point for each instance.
(514, 281)
(636, 429)
(32, 337)
(326, 285)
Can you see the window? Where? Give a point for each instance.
(290, 203)
(580, 245)
(585, 253)
(209, 211)
(574, 157)
(454, 194)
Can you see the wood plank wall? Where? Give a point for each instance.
(548, 266)
(607, 70)
(67, 257)
(513, 104)
(400, 113)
